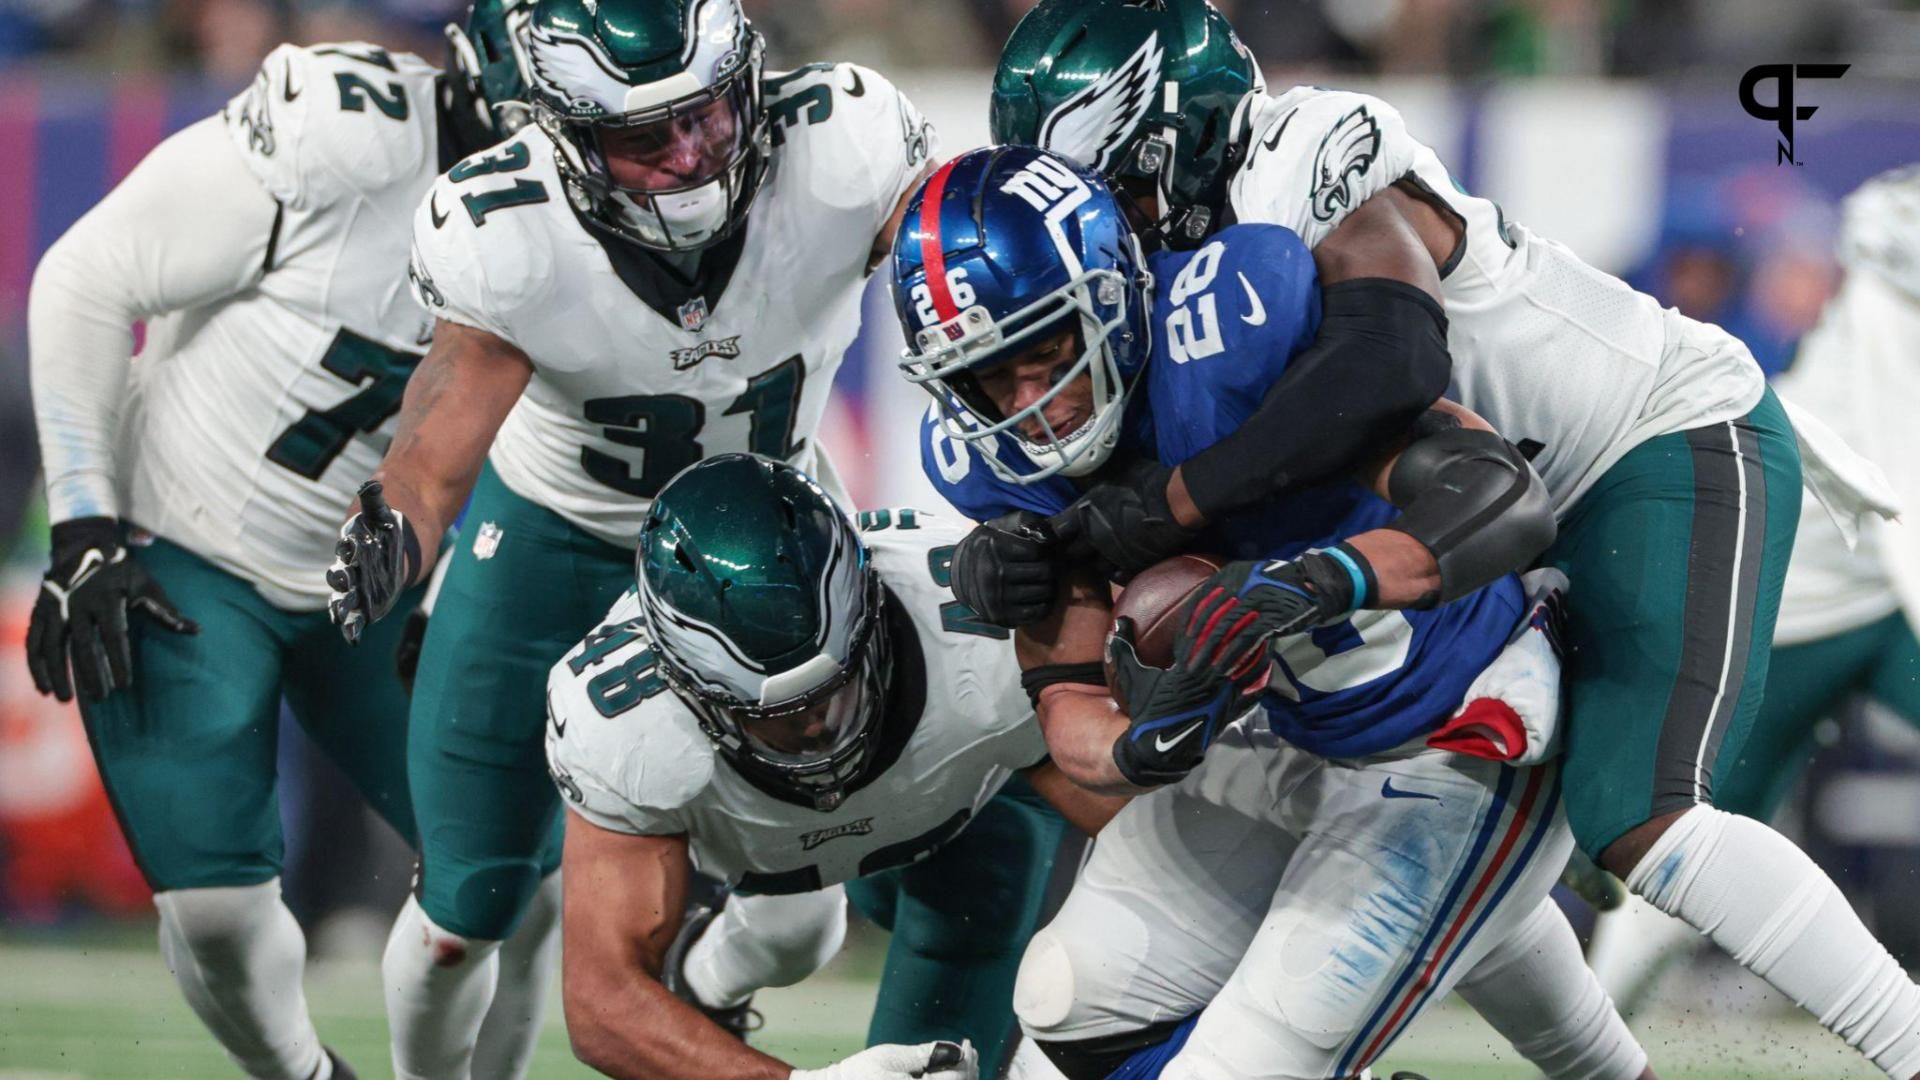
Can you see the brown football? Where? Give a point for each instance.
(1153, 600)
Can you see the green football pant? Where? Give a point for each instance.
(188, 752)
(960, 922)
(1810, 681)
(524, 587)
(1676, 559)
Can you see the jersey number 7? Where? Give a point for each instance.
(311, 443)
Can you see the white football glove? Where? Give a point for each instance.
(928, 1061)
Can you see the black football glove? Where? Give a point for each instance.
(82, 612)
(1005, 569)
(1127, 526)
(1174, 713)
(373, 563)
(1245, 605)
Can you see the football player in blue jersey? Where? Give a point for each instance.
(1287, 905)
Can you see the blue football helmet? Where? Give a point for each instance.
(999, 249)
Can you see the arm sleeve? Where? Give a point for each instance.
(188, 226)
(1379, 360)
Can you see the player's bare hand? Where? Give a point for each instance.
(374, 562)
(82, 612)
(932, 1061)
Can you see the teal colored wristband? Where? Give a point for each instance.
(1354, 573)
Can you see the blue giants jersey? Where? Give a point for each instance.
(1227, 319)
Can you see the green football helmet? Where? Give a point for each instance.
(656, 108)
(1154, 95)
(767, 619)
(487, 73)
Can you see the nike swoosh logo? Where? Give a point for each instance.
(1259, 316)
(1388, 791)
(1273, 142)
(1163, 745)
(289, 92)
(433, 210)
(859, 88)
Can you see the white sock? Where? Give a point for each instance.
(761, 941)
(1634, 945)
(1535, 990)
(238, 956)
(1763, 901)
(439, 985)
(527, 960)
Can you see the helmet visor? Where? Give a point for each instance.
(808, 733)
(685, 145)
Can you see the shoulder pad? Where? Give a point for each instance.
(1316, 154)
(479, 253)
(855, 140)
(323, 122)
(623, 749)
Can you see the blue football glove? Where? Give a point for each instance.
(1247, 604)
(1174, 713)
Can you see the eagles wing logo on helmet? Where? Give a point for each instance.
(572, 69)
(1092, 126)
(1347, 150)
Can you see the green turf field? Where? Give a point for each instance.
(107, 1009)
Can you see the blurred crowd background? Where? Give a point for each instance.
(1458, 38)
(1612, 125)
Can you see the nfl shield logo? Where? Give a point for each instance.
(693, 314)
(487, 540)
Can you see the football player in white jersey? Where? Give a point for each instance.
(667, 265)
(1847, 618)
(787, 705)
(1673, 470)
(192, 492)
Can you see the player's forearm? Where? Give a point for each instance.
(454, 404)
(79, 349)
(624, 1024)
(1081, 725)
(1405, 572)
(1085, 810)
(1379, 360)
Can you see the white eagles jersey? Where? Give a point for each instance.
(257, 416)
(629, 756)
(1565, 361)
(637, 375)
